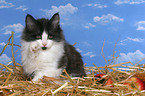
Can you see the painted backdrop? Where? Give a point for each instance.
(87, 22)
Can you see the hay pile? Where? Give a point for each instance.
(13, 83)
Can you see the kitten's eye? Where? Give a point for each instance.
(38, 37)
(50, 37)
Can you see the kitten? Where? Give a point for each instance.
(45, 51)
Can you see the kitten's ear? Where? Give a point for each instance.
(30, 22)
(55, 20)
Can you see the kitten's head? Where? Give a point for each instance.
(43, 31)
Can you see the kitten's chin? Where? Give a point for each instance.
(44, 48)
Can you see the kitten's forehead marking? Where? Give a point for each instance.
(44, 36)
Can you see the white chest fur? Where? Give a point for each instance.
(42, 62)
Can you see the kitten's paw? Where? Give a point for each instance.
(34, 47)
(37, 76)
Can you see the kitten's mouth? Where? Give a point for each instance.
(44, 48)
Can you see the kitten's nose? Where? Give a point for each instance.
(44, 44)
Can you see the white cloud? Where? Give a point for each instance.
(123, 42)
(98, 5)
(131, 56)
(23, 8)
(140, 25)
(135, 39)
(79, 50)
(118, 2)
(3, 44)
(14, 27)
(4, 4)
(66, 9)
(89, 25)
(129, 39)
(109, 18)
(86, 43)
(90, 54)
(4, 59)
(61, 23)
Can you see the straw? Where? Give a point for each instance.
(13, 83)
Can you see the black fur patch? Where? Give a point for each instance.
(74, 62)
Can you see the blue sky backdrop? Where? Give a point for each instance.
(87, 22)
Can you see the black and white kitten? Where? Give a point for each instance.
(45, 51)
